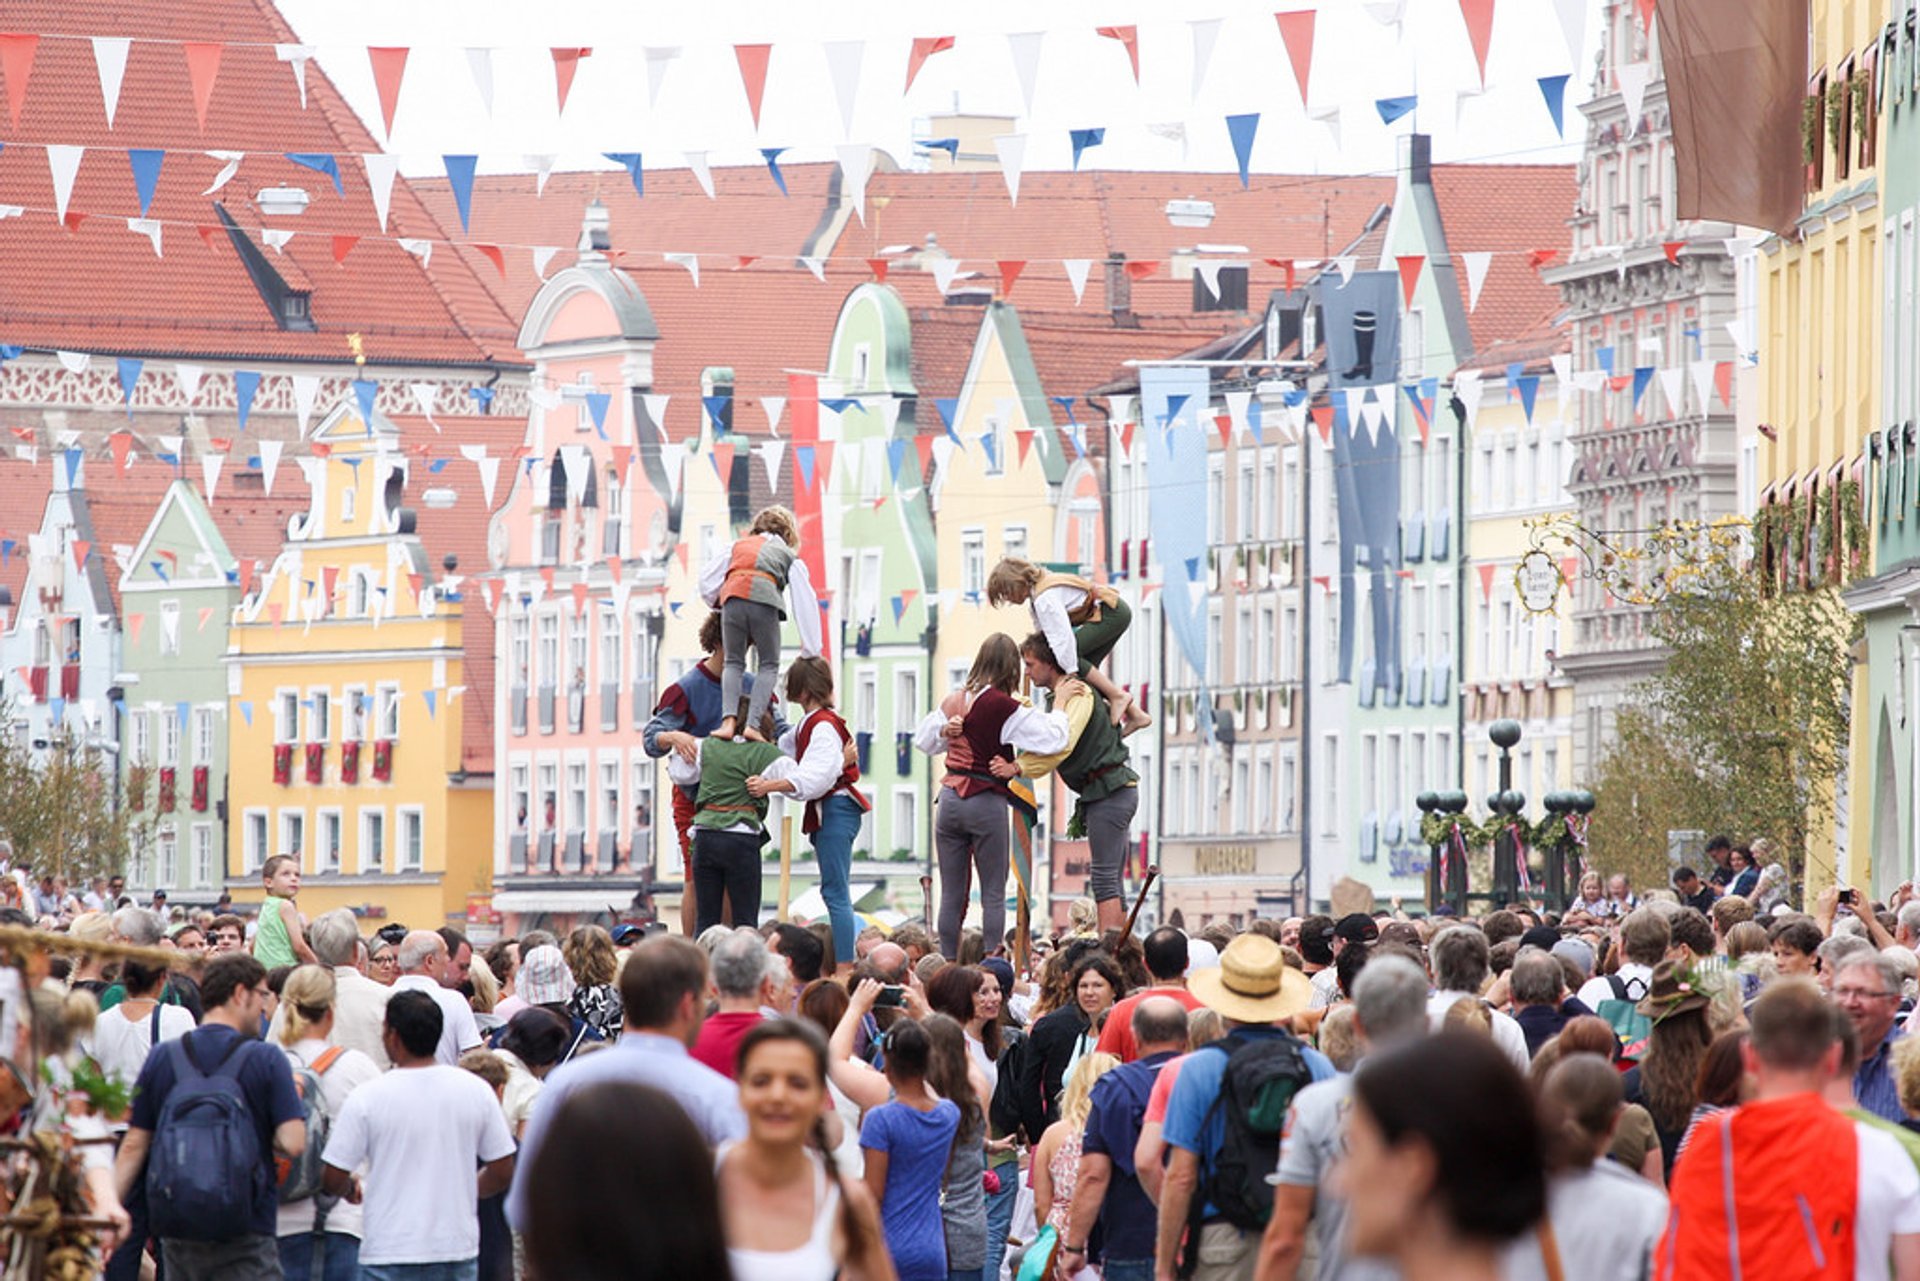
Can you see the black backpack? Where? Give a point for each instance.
(1004, 1110)
(1262, 1076)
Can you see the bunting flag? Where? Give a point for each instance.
(389, 67)
(1391, 109)
(949, 145)
(1012, 150)
(843, 69)
(210, 465)
(1010, 269)
(690, 261)
(1411, 265)
(1478, 15)
(129, 368)
(565, 63)
(80, 548)
(320, 162)
(630, 161)
(772, 157)
(659, 58)
(364, 390)
(1723, 382)
(110, 60)
(480, 65)
(121, 443)
(1240, 130)
(752, 59)
(460, 178)
(1024, 48)
(1672, 249)
(856, 162)
(246, 383)
(923, 47)
(1528, 386)
(1554, 90)
(269, 463)
(1642, 378)
(145, 163)
(381, 169)
(1082, 139)
(203, 67)
(1205, 33)
(1129, 37)
(1633, 78)
(63, 163)
(16, 67)
(1078, 270)
(1296, 33)
(296, 56)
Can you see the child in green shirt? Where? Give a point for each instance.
(280, 938)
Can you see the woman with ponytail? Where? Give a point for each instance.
(1602, 1221)
(789, 1215)
(953, 1075)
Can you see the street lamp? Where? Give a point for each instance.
(1506, 805)
(1563, 806)
(1446, 869)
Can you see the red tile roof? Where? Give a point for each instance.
(26, 487)
(100, 288)
(1511, 210)
(1550, 336)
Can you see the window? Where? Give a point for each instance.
(1199, 812)
(1330, 636)
(169, 738)
(1290, 642)
(1417, 762)
(1290, 494)
(1242, 795)
(866, 700)
(286, 716)
(577, 796)
(353, 713)
(640, 665)
(253, 847)
(359, 593)
(609, 796)
(1443, 771)
(139, 738)
(1289, 789)
(1243, 643)
(520, 649)
(1267, 500)
(994, 442)
(1263, 790)
(1263, 646)
(1443, 621)
(203, 735)
(549, 649)
(1216, 498)
(326, 858)
(1013, 541)
(871, 581)
(973, 563)
(169, 627)
(1392, 779)
(349, 501)
(412, 840)
(906, 819)
(387, 712)
(167, 873)
(319, 717)
(1215, 642)
(642, 799)
(548, 817)
(609, 647)
(1243, 520)
(293, 832)
(1176, 791)
(1413, 345)
(906, 699)
(1369, 771)
(203, 854)
(576, 651)
(1330, 766)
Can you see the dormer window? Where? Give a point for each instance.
(294, 309)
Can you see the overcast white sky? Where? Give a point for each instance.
(1083, 80)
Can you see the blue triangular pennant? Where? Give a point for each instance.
(482, 396)
(674, 605)
(1193, 569)
(1084, 138)
(949, 145)
(1642, 378)
(460, 178)
(160, 570)
(1529, 390)
(246, 711)
(438, 465)
(947, 407)
(364, 390)
(772, 155)
(320, 162)
(1604, 358)
(1066, 407)
(839, 404)
(1391, 109)
(73, 457)
(1254, 415)
(129, 369)
(899, 609)
(145, 163)
(1175, 404)
(181, 710)
(1514, 370)
(803, 459)
(630, 161)
(1241, 130)
(597, 405)
(1413, 398)
(432, 702)
(896, 456)
(1554, 90)
(717, 412)
(992, 446)
(246, 383)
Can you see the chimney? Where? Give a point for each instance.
(595, 234)
(1120, 293)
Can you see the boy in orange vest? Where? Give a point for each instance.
(1082, 620)
(758, 583)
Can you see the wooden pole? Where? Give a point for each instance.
(786, 865)
(1153, 873)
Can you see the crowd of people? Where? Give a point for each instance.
(1668, 1084)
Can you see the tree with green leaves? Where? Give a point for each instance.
(1744, 731)
(59, 809)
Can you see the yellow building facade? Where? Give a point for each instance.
(346, 698)
(1819, 342)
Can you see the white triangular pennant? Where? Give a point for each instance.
(771, 451)
(1702, 371)
(1205, 32)
(1562, 368)
(577, 463)
(269, 462)
(773, 405)
(817, 265)
(1477, 265)
(542, 166)
(1573, 25)
(856, 162)
(210, 465)
(843, 68)
(1209, 269)
(659, 58)
(1634, 79)
(1330, 117)
(943, 271)
(380, 171)
(702, 171)
(480, 63)
(306, 390)
(673, 456)
(657, 410)
(1468, 387)
(1121, 409)
(275, 238)
(1672, 383)
(229, 166)
(424, 394)
(545, 396)
(889, 411)
(76, 362)
(63, 162)
(421, 249)
(1025, 48)
(690, 261)
(1346, 265)
(1077, 272)
(1012, 150)
(110, 60)
(542, 256)
(150, 228)
(297, 56)
(189, 376)
(1237, 402)
(489, 474)
(622, 594)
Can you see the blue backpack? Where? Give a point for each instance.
(204, 1172)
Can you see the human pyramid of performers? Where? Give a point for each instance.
(730, 748)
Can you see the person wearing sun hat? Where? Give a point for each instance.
(1254, 992)
(1666, 1079)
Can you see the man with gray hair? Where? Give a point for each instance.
(1461, 964)
(743, 981)
(1541, 1005)
(422, 962)
(1389, 1009)
(142, 927)
(1866, 987)
(359, 1004)
(1835, 951)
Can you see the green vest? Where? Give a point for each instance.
(725, 767)
(1096, 768)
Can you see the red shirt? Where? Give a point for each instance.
(1116, 1035)
(718, 1044)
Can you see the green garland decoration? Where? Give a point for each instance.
(1437, 829)
(1855, 528)
(1810, 127)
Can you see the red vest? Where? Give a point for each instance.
(810, 823)
(1775, 1183)
(981, 725)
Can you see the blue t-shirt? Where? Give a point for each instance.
(1188, 1125)
(917, 1145)
(1127, 1216)
(265, 1079)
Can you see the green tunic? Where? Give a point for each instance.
(725, 767)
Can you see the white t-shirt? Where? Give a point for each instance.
(1606, 1223)
(1889, 1204)
(422, 1134)
(1326, 989)
(349, 1071)
(458, 1032)
(1506, 1033)
(121, 1044)
(1638, 979)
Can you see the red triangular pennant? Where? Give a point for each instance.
(1010, 269)
(81, 547)
(493, 255)
(1479, 19)
(1023, 439)
(1411, 266)
(1723, 382)
(1646, 15)
(613, 569)
(723, 461)
(923, 445)
(203, 66)
(342, 246)
(546, 576)
(924, 47)
(73, 220)
(1296, 33)
(1323, 421)
(207, 232)
(1673, 248)
(823, 464)
(277, 611)
(565, 63)
(490, 588)
(745, 260)
(579, 598)
(16, 64)
(389, 67)
(1128, 36)
(1486, 580)
(1542, 257)
(121, 443)
(1140, 269)
(753, 75)
(1126, 436)
(247, 566)
(879, 268)
(1224, 422)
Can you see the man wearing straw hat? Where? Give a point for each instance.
(1252, 990)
